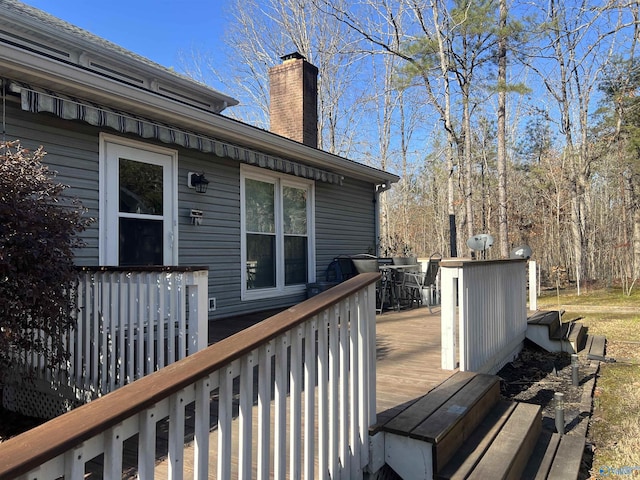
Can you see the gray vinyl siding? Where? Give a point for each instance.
(72, 152)
(344, 214)
(345, 221)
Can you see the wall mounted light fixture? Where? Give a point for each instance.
(197, 181)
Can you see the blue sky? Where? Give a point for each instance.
(156, 29)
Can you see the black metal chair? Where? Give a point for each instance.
(416, 283)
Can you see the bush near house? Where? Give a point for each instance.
(38, 232)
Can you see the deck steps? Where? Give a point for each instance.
(446, 416)
(462, 429)
(500, 447)
(555, 457)
(577, 336)
(542, 457)
(508, 454)
(595, 347)
(547, 330)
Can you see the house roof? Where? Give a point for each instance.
(46, 52)
(35, 29)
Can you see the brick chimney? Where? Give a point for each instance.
(294, 99)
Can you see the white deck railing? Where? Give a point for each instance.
(484, 313)
(130, 323)
(301, 384)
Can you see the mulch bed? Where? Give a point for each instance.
(536, 375)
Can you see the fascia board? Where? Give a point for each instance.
(75, 81)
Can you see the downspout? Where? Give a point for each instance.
(380, 188)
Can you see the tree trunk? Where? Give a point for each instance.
(446, 118)
(503, 228)
(636, 242)
(468, 161)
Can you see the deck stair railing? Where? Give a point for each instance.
(293, 395)
(130, 323)
(484, 313)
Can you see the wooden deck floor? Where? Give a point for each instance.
(408, 356)
(408, 365)
(408, 353)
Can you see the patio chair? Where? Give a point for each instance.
(422, 287)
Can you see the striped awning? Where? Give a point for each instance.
(38, 100)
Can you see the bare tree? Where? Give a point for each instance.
(503, 227)
(581, 40)
(264, 31)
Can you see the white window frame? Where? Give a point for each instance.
(279, 180)
(108, 225)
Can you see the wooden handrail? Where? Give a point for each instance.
(27, 451)
(143, 268)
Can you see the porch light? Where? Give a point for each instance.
(197, 181)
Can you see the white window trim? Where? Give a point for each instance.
(279, 180)
(106, 138)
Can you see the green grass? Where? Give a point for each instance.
(614, 297)
(615, 427)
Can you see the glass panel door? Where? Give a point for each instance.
(138, 226)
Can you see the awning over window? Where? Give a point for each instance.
(37, 100)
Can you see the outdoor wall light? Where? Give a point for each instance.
(197, 181)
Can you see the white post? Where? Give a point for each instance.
(371, 320)
(449, 286)
(463, 322)
(198, 310)
(533, 286)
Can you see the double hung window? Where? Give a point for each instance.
(277, 233)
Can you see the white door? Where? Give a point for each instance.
(138, 204)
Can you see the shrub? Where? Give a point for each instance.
(38, 233)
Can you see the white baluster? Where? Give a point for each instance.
(280, 423)
(334, 391)
(246, 406)
(324, 424)
(176, 436)
(310, 363)
(295, 403)
(225, 407)
(264, 410)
